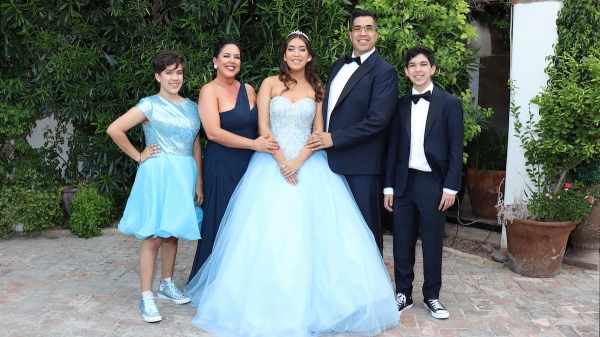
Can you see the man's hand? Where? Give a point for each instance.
(447, 201)
(319, 140)
(388, 202)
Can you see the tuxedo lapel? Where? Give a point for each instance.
(434, 107)
(358, 74)
(406, 113)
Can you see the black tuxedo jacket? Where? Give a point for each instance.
(360, 119)
(443, 142)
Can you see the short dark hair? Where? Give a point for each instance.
(361, 12)
(222, 43)
(416, 50)
(166, 58)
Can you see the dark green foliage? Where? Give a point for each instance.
(33, 208)
(588, 173)
(442, 25)
(30, 178)
(90, 211)
(90, 61)
(568, 131)
(488, 151)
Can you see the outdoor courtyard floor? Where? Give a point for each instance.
(56, 284)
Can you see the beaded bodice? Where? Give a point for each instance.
(291, 123)
(173, 126)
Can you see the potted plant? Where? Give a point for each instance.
(485, 171)
(585, 238)
(566, 135)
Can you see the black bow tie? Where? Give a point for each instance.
(349, 59)
(426, 95)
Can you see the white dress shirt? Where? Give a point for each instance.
(418, 119)
(339, 82)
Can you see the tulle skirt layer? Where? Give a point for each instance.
(161, 203)
(293, 260)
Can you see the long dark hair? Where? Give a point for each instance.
(311, 70)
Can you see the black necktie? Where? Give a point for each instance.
(426, 95)
(349, 59)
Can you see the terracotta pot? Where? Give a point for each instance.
(586, 235)
(67, 195)
(535, 248)
(483, 191)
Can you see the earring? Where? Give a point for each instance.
(215, 66)
(284, 59)
(309, 59)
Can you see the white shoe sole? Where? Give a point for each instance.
(437, 315)
(151, 319)
(405, 308)
(181, 301)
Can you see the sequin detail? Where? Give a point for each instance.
(291, 123)
(173, 126)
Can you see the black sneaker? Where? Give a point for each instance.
(436, 308)
(404, 303)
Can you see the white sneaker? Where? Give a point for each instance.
(436, 308)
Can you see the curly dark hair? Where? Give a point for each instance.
(311, 70)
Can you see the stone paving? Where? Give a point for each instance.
(56, 284)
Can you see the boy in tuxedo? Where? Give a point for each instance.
(423, 174)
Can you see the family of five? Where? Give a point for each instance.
(291, 187)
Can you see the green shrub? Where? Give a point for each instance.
(488, 151)
(34, 209)
(90, 211)
(567, 132)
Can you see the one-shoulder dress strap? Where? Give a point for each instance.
(242, 99)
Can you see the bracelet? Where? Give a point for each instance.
(140, 162)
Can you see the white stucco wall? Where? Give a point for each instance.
(533, 35)
(37, 140)
(484, 43)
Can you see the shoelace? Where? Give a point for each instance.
(149, 304)
(436, 305)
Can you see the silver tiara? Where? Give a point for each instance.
(297, 32)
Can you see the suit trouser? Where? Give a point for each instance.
(420, 200)
(368, 192)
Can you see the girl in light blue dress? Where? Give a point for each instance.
(165, 197)
(293, 255)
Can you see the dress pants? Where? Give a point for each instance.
(367, 191)
(420, 201)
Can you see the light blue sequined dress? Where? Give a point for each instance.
(161, 203)
(293, 260)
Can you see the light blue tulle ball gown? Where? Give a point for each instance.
(293, 260)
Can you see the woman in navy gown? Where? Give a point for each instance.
(228, 112)
(294, 256)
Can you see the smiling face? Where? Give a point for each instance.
(170, 79)
(296, 54)
(363, 41)
(229, 61)
(419, 71)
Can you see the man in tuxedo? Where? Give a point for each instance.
(360, 97)
(423, 174)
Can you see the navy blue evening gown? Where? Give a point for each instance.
(223, 167)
